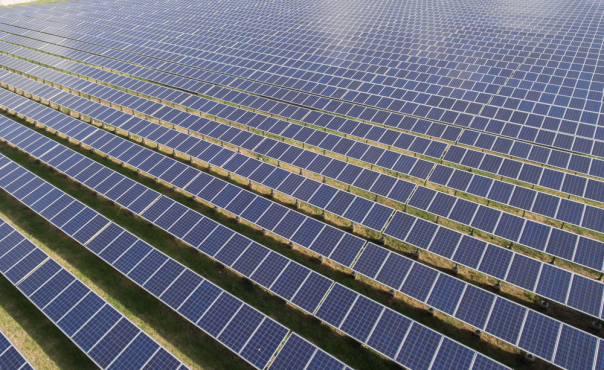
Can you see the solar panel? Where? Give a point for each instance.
(79, 312)
(155, 273)
(10, 357)
(502, 114)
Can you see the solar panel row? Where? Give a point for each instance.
(402, 163)
(99, 330)
(556, 180)
(247, 332)
(523, 198)
(171, 283)
(350, 174)
(519, 117)
(511, 227)
(365, 39)
(344, 248)
(10, 357)
(337, 144)
(407, 142)
(517, 77)
(568, 183)
(501, 192)
(321, 238)
(410, 278)
(374, 216)
(553, 179)
(293, 35)
(579, 292)
(190, 42)
(508, 321)
(563, 244)
(522, 150)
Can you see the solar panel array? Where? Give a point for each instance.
(382, 117)
(552, 179)
(563, 244)
(241, 328)
(577, 141)
(535, 276)
(10, 357)
(450, 295)
(345, 246)
(108, 338)
(293, 282)
(365, 180)
(360, 94)
(370, 215)
(545, 204)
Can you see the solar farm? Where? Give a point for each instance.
(302, 185)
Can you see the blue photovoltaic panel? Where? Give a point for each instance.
(348, 257)
(422, 233)
(469, 251)
(419, 348)
(476, 141)
(399, 225)
(475, 306)
(361, 319)
(264, 343)
(114, 341)
(575, 349)
(540, 342)
(290, 280)
(484, 363)
(240, 328)
(336, 305)
(389, 332)
(97, 328)
(420, 282)
(442, 204)
(496, 261)
(453, 356)
(446, 294)
(506, 320)
(463, 211)
(585, 295)
(295, 354)
(524, 272)
(445, 242)
(198, 302)
(157, 273)
(181, 289)
(347, 250)
(10, 357)
(371, 260)
(80, 313)
(269, 270)
(394, 271)
(312, 292)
